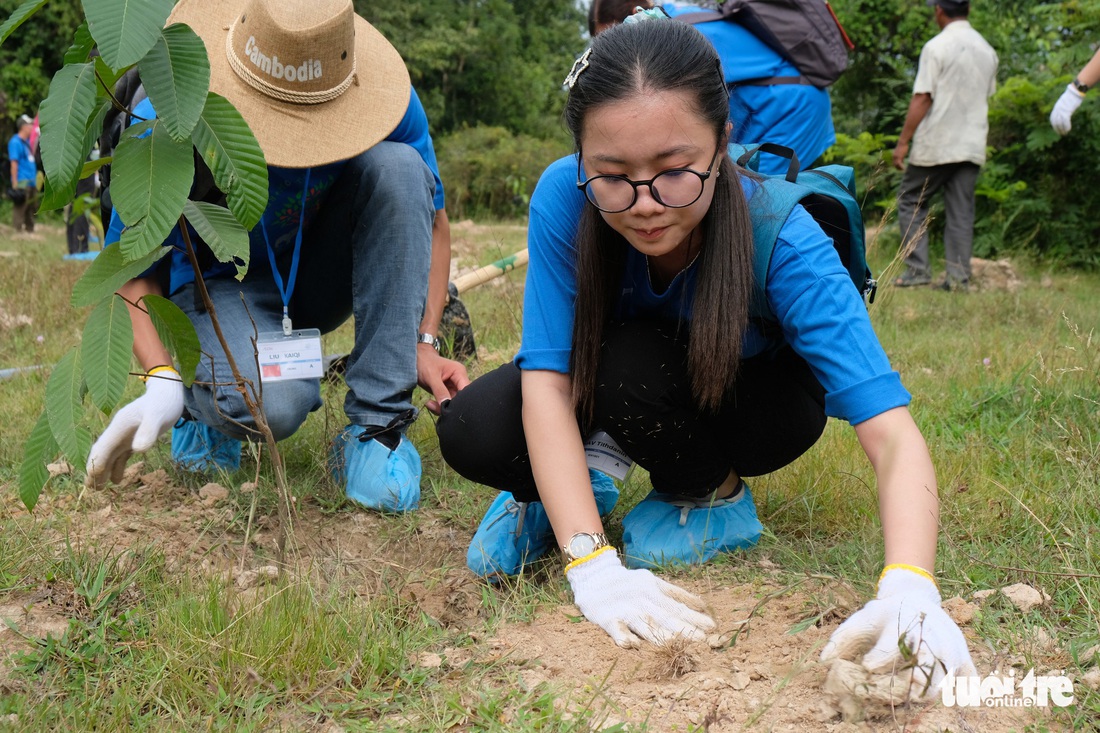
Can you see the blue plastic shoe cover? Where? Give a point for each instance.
(515, 533)
(376, 477)
(666, 529)
(197, 447)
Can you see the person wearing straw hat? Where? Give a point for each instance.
(355, 226)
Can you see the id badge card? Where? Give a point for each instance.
(296, 355)
(605, 455)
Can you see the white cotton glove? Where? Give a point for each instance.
(907, 604)
(136, 427)
(1064, 108)
(632, 605)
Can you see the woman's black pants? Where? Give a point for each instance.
(643, 400)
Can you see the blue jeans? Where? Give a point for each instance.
(365, 254)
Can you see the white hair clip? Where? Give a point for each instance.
(578, 66)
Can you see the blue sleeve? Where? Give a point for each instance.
(826, 322)
(15, 150)
(551, 290)
(413, 130)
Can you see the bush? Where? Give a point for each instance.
(1038, 191)
(489, 172)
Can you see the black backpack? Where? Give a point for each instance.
(805, 32)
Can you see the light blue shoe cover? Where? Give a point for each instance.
(514, 533)
(375, 476)
(665, 529)
(202, 449)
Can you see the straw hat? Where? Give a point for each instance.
(315, 82)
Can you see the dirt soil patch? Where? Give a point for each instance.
(760, 672)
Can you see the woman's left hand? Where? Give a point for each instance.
(632, 605)
(904, 628)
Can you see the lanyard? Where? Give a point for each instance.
(288, 290)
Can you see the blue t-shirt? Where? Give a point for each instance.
(798, 116)
(20, 151)
(284, 204)
(808, 289)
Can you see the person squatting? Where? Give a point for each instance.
(636, 323)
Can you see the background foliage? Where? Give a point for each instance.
(489, 73)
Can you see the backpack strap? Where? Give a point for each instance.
(769, 81)
(771, 204)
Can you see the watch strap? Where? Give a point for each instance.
(427, 338)
(599, 541)
(1079, 86)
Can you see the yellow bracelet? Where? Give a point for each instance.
(911, 568)
(158, 370)
(586, 558)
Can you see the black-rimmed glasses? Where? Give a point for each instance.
(675, 188)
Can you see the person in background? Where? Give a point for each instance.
(636, 322)
(796, 115)
(77, 226)
(23, 176)
(1067, 104)
(947, 124)
(354, 226)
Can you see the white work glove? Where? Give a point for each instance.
(632, 605)
(136, 427)
(1064, 108)
(907, 604)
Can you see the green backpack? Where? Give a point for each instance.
(828, 193)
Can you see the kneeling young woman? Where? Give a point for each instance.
(636, 322)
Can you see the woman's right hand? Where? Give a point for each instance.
(632, 605)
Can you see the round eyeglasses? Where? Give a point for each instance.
(675, 188)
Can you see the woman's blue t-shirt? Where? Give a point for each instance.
(809, 291)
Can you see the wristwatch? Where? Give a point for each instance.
(427, 338)
(1079, 86)
(583, 544)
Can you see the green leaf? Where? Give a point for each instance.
(39, 450)
(81, 47)
(93, 165)
(54, 198)
(177, 333)
(107, 77)
(109, 272)
(16, 19)
(125, 30)
(228, 146)
(65, 407)
(105, 352)
(83, 203)
(221, 231)
(150, 180)
(65, 116)
(176, 75)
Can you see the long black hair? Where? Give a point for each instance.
(644, 58)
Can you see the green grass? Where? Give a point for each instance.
(1006, 387)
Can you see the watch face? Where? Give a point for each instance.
(581, 545)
